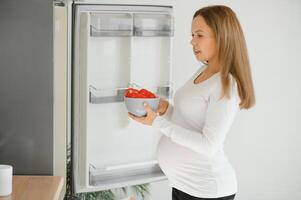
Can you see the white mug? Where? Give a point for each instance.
(6, 180)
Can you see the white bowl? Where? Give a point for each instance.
(135, 105)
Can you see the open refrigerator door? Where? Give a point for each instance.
(115, 47)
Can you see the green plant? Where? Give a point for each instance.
(105, 195)
(139, 190)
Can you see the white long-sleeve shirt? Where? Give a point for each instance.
(190, 151)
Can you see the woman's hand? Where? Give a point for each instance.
(163, 105)
(150, 116)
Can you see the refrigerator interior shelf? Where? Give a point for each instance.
(123, 173)
(98, 96)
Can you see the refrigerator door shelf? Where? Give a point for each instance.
(153, 33)
(111, 24)
(165, 92)
(106, 96)
(153, 24)
(130, 174)
(141, 24)
(98, 96)
(110, 33)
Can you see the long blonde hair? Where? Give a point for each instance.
(232, 51)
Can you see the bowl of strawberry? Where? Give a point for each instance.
(134, 100)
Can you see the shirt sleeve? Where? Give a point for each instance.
(219, 117)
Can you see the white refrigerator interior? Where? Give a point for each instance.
(115, 47)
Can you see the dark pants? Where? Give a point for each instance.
(179, 195)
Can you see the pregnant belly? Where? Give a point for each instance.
(175, 158)
(193, 171)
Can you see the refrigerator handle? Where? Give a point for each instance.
(59, 3)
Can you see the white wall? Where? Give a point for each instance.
(264, 142)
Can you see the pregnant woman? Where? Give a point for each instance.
(194, 128)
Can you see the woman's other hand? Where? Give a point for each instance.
(163, 105)
(148, 119)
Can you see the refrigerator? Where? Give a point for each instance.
(114, 46)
